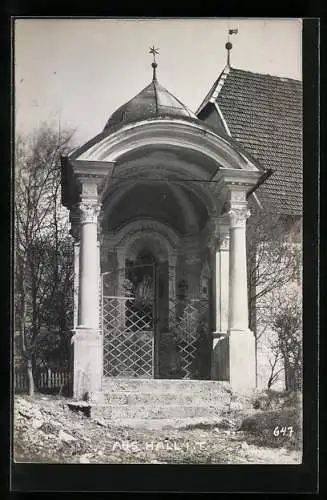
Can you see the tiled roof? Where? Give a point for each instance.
(264, 115)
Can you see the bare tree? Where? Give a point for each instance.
(274, 363)
(288, 327)
(41, 232)
(274, 262)
(274, 253)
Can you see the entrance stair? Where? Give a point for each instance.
(162, 402)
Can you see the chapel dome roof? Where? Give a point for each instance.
(153, 101)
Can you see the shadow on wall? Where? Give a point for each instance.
(220, 364)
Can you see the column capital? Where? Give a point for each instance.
(238, 216)
(223, 232)
(219, 233)
(237, 206)
(223, 241)
(89, 209)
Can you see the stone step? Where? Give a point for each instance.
(156, 398)
(172, 411)
(161, 423)
(175, 386)
(158, 401)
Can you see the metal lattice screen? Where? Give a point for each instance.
(191, 328)
(128, 339)
(127, 324)
(130, 317)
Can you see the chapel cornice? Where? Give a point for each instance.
(173, 132)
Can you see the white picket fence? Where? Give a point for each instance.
(45, 380)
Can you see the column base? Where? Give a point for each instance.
(87, 374)
(241, 360)
(233, 359)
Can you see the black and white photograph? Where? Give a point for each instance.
(158, 186)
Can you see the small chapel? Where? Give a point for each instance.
(159, 203)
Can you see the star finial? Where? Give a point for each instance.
(154, 64)
(153, 51)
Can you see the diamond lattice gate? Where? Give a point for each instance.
(193, 338)
(191, 325)
(145, 334)
(129, 321)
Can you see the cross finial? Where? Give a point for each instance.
(229, 45)
(154, 65)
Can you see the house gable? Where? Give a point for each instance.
(264, 114)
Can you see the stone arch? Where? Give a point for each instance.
(162, 240)
(173, 132)
(146, 228)
(150, 240)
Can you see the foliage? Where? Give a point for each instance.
(272, 400)
(286, 422)
(43, 252)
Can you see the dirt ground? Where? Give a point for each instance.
(47, 431)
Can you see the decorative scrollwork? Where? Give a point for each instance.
(89, 211)
(224, 241)
(238, 216)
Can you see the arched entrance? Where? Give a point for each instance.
(135, 308)
(151, 327)
(181, 177)
(129, 321)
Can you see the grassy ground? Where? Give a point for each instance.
(45, 430)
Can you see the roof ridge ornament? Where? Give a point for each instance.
(229, 45)
(154, 64)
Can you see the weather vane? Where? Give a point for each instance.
(229, 45)
(154, 64)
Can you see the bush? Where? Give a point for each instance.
(275, 428)
(272, 400)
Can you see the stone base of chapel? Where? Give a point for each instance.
(88, 354)
(233, 359)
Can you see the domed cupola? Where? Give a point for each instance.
(153, 101)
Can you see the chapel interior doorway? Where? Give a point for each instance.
(148, 279)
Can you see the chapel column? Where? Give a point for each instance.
(88, 264)
(241, 339)
(87, 341)
(76, 280)
(222, 275)
(220, 251)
